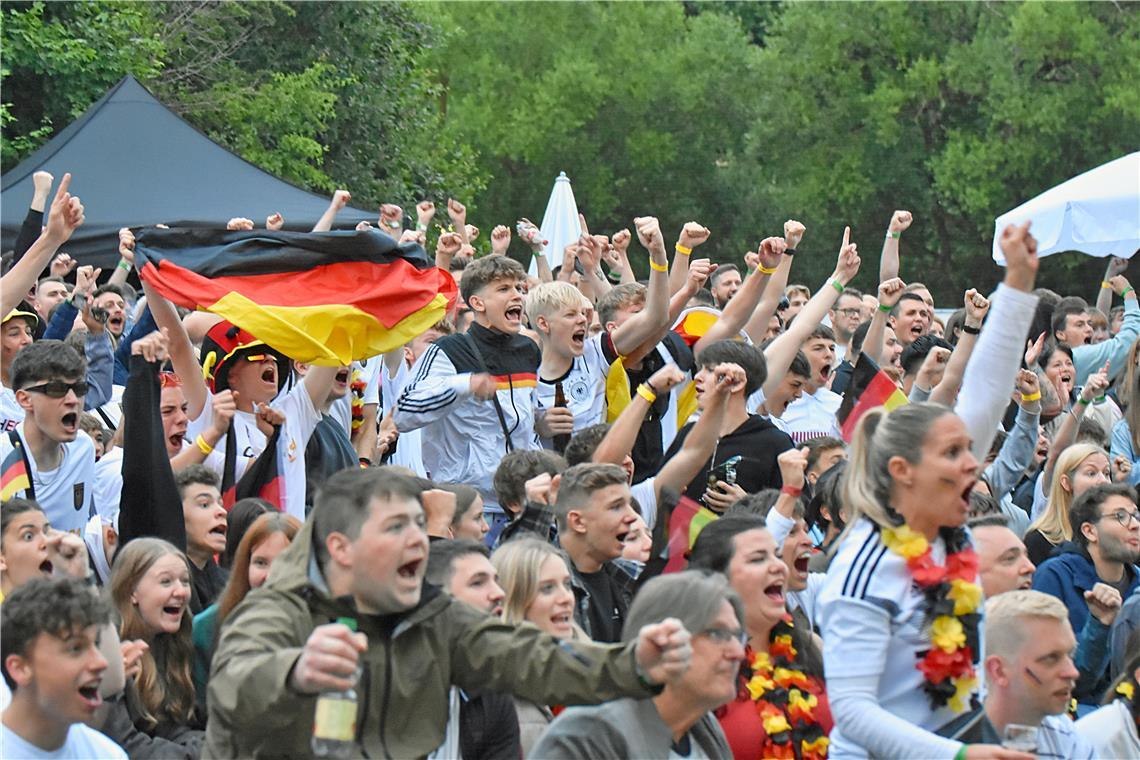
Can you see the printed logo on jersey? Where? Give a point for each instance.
(579, 390)
(78, 493)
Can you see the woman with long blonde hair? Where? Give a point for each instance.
(536, 581)
(901, 607)
(150, 587)
(1076, 469)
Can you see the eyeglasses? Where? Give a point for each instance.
(1122, 516)
(59, 388)
(849, 312)
(724, 636)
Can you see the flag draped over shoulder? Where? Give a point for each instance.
(14, 475)
(870, 387)
(323, 298)
(263, 478)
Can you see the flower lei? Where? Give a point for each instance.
(1126, 693)
(952, 600)
(786, 700)
(356, 387)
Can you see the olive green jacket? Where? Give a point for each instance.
(403, 691)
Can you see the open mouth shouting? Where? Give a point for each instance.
(562, 624)
(116, 323)
(774, 593)
(46, 567)
(269, 374)
(172, 614)
(578, 340)
(513, 315)
(70, 423)
(410, 573)
(800, 565)
(217, 537)
(824, 374)
(89, 694)
(341, 377)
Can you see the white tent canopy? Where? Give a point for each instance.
(1097, 213)
(560, 224)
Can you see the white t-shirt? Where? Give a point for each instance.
(409, 449)
(583, 385)
(82, 743)
(109, 483)
(301, 418)
(66, 493)
(812, 416)
(755, 401)
(11, 413)
(646, 499)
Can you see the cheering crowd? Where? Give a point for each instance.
(709, 514)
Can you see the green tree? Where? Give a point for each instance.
(954, 111)
(643, 108)
(59, 58)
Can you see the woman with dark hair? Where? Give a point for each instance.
(259, 546)
(826, 513)
(242, 515)
(781, 707)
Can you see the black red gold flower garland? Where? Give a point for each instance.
(786, 700)
(952, 599)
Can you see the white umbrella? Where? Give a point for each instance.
(1097, 213)
(560, 222)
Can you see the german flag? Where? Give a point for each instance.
(870, 388)
(324, 298)
(263, 478)
(14, 475)
(686, 522)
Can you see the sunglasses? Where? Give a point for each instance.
(59, 388)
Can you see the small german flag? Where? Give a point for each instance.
(14, 475)
(686, 522)
(323, 298)
(870, 388)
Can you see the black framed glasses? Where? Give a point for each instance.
(724, 636)
(1122, 516)
(59, 388)
(849, 312)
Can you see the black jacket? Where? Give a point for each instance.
(757, 441)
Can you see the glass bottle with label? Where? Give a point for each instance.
(334, 723)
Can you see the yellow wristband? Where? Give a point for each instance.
(764, 270)
(657, 267)
(1105, 285)
(682, 249)
(1027, 397)
(645, 393)
(204, 447)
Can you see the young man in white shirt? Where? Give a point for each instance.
(51, 660)
(57, 457)
(1030, 673)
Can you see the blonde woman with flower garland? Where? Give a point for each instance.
(901, 608)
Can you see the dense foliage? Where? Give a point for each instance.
(738, 115)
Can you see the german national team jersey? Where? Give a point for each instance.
(583, 385)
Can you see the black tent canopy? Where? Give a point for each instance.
(134, 162)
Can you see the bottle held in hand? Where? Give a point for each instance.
(334, 723)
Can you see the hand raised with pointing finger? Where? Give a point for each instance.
(66, 213)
